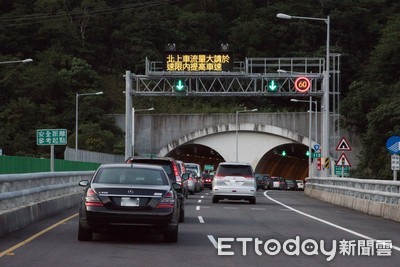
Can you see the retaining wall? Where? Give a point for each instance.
(376, 197)
(28, 198)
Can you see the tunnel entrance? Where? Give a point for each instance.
(196, 153)
(287, 161)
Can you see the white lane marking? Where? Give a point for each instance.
(197, 207)
(258, 208)
(207, 194)
(231, 208)
(201, 220)
(212, 240)
(205, 207)
(199, 200)
(323, 221)
(202, 197)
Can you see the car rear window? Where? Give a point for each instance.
(234, 170)
(132, 176)
(167, 166)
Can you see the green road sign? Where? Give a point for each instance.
(208, 167)
(51, 137)
(338, 170)
(315, 155)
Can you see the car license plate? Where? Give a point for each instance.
(129, 202)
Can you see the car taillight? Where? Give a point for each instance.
(167, 202)
(176, 171)
(92, 200)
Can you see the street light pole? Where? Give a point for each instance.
(77, 118)
(309, 128)
(133, 126)
(325, 100)
(237, 129)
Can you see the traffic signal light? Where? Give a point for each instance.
(272, 86)
(283, 153)
(307, 153)
(180, 85)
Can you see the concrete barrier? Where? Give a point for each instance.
(375, 197)
(28, 198)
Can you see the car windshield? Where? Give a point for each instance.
(234, 170)
(133, 176)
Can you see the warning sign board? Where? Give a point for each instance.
(343, 161)
(327, 163)
(343, 145)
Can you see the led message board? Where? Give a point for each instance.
(197, 61)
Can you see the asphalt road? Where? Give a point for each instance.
(284, 228)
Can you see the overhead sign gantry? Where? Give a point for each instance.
(216, 74)
(213, 73)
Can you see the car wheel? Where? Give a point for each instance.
(253, 201)
(215, 200)
(182, 215)
(171, 236)
(84, 235)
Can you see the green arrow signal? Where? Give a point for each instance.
(180, 86)
(272, 86)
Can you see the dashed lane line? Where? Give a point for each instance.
(201, 220)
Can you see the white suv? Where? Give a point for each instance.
(234, 180)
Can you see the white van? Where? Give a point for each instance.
(194, 167)
(234, 180)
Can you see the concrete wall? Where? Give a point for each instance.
(28, 198)
(159, 133)
(375, 197)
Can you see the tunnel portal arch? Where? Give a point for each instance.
(257, 144)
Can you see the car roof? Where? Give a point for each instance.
(150, 159)
(235, 163)
(191, 164)
(131, 165)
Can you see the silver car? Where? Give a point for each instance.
(234, 181)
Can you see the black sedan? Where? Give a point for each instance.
(291, 184)
(132, 197)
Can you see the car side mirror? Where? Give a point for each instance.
(84, 183)
(185, 176)
(176, 186)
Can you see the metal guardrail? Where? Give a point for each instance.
(377, 191)
(19, 190)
